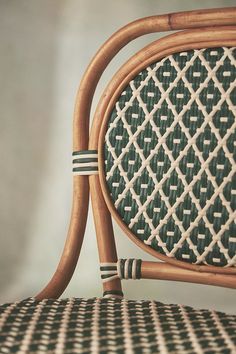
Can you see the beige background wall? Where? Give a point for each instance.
(44, 49)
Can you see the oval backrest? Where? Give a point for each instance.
(170, 156)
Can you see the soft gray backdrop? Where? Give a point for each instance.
(44, 49)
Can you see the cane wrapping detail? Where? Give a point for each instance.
(85, 162)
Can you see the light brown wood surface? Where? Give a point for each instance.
(104, 231)
(163, 271)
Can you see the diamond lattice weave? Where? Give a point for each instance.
(170, 156)
(113, 326)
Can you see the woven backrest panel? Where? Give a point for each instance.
(170, 156)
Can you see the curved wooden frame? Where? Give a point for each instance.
(70, 254)
(185, 40)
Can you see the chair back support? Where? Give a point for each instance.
(160, 156)
(170, 156)
(167, 158)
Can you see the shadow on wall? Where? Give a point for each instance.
(26, 100)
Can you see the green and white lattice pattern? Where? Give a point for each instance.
(170, 156)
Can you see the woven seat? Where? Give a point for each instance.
(113, 326)
(161, 160)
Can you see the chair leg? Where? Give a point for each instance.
(105, 236)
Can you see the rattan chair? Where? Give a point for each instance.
(161, 160)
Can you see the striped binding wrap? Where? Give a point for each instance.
(123, 269)
(85, 162)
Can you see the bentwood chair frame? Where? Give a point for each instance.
(194, 30)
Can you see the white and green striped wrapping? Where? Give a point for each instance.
(85, 162)
(122, 269)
